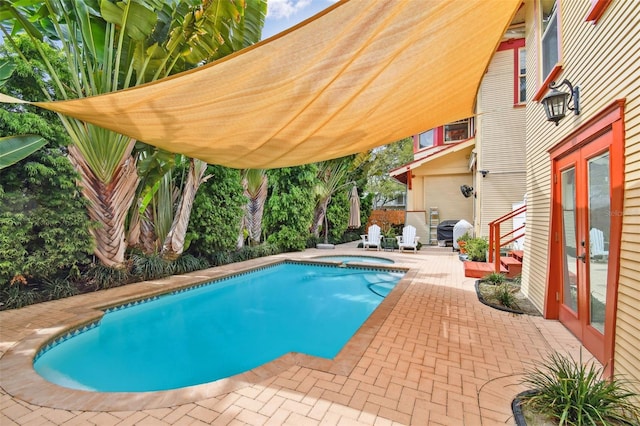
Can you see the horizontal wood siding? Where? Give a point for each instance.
(443, 192)
(500, 144)
(604, 61)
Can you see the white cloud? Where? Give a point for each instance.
(285, 8)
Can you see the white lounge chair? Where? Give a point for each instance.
(372, 238)
(408, 239)
(596, 246)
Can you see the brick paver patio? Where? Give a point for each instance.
(434, 356)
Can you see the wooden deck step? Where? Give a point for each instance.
(512, 265)
(518, 254)
(479, 269)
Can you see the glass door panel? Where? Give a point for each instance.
(599, 198)
(569, 238)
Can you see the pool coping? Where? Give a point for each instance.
(21, 381)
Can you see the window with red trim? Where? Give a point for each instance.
(517, 46)
(521, 76)
(550, 36)
(449, 133)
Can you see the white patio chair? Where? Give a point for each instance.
(596, 246)
(408, 239)
(372, 238)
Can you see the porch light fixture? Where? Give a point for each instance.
(556, 103)
(484, 173)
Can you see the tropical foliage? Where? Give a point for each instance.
(217, 213)
(337, 216)
(44, 228)
(16, 148)
(114, 45)
(289, 210)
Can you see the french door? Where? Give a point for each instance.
(588, 180)
(586, 230)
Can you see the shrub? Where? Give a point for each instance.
(221, 258)
(187, 263)
(58, 288)
(289, 209)
(44, 225)
(572, 393)
(17, 295)
(104, 277)
(495, 278)
(477, 249)
(149, 267)
(504, 295)
(337, 216)
(217, 213)
(463, 238)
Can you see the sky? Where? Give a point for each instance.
(283, 14)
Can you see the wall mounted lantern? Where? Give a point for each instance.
(556, 103)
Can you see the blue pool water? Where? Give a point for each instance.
(219, 330)
(349, 259)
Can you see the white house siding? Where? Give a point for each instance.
(439, 181)
(500, 144)
(444, 192)
(604, 60)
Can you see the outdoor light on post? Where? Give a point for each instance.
(556, 103)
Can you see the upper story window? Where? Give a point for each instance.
(517, 46)
(522, 76)
(550, 41)
(427, 139)
(457, 131)
(449, 133)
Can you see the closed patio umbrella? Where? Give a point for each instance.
(354, 208)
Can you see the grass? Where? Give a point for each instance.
(504, 294)
(500, 292)
(569, 392)
(495, 278)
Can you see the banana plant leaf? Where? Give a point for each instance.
(16, 148)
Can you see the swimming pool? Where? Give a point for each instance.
(216, 330)
(349, 259)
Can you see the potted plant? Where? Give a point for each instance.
(564, 391)
(389, 238)
(462, 242)
(477, 249)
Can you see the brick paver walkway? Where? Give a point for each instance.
(438, 357)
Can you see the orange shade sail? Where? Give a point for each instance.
(361, 74)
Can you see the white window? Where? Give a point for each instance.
(522, 75)
(426, 139)
(550, 39)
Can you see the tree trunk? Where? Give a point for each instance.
(318, 217)
(108, 205)
(255, 211)
(255, 183)
(173, 245)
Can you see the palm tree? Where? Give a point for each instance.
(255, 183)
(119, 45)
(332, 176)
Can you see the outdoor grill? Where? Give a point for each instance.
(445, 231)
